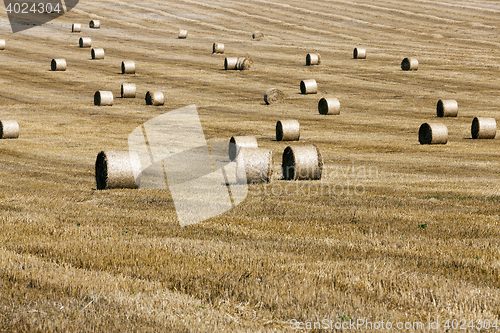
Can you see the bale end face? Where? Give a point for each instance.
(101, 171)
(433, 134)
(273, 96)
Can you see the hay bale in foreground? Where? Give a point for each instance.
(103, 98)
(287, 130)
(409, 64)
(236, 142)
(483, 128)
(273, 96)
(308, 87)
(313, 59)
(302, 163)
(128, 67)
(359, 53)
(254, 165)
(257, 35)
(9, 129)
(182, 34)
(76, 27)
(58, 65)
(155, 98)
(97, 54)
(447, 108)
(329, 105)
(218, 48)
(128, 90)
(116, 169)
(433, 133)
(94, 24)
(85, 42)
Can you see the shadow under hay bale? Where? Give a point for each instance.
(257, 35)
(58, 65)
(116, 169)
(9, 129)
(237, 142)
(182, 34)
(128, 67)
(85, 42)
(103, 98)
(432, 134)
(218, 48)
(97, 54)
(76, 27)
(94, 24)
(409, 64)
(483, 128)
(155, 98)
(273, 96)
(302, 163)
(447, 108)
(313, 59)
(254, 165)
(308, 87)
(329, 105)
(287, 130)
(127, 90)
(359, 53)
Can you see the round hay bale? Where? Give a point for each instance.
(313, 59)
(359, 53)
(447, 108)
(128, 90)
(155, 98)
(58, 65)
(218, 48)
(287, 130)
(103, 98)
(95, 24)
(76, 27)
(257, 35)
(254, 165)
(182, 34)
(273, 96)
(116, 169)
(329, 105)
(433, 133)
(128, 67)
(236, 142)
(244, 63)
(9, 129)
(308, 87)
(230, 63)
(85, 42)
(302, 163)
(2, 44)
(483, 128)
(409, 64)
(97, 54)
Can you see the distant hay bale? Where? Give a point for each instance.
(116, 169)
(76, 27)
(182, 34)
(85, 42)
(329, 105)
(254, 165)
(308, 87)
(409, 64)
(257, 35)
(58, 65)
(483, 128)
(128, 90)
(447, 108)
(433, 133)
(273, 96)
(236, 142)
(313, 59)
(128, 67)
(97, 53)
(244, 63)
(2, 44)
(9, 129)
(287, 130)
(359, 53)
(103, 98)
(302, 163)
(218, 48)
(155, 98)
(95, 24)
(230, 63)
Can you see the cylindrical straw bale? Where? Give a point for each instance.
(76, 27)
(128, 90)
(218, 48)
(9, 129)
(85, 42)
(483, 128)
(257, 35)
(359, 53)
(2, 44)
(103, 98)
(183, 34)
(409, 64)
(58, 65)
(313, 59)
(302, 163)
(116, 169)
(433, 133)
(254, 165)
(329, 105)
(97, 53)
(128, 67)
(155, 98)
(95, 24)
(230, 63)
(236, 142)
(244, 63)
(273, 96)
(287, 130)
(447, 108)
(308, 87)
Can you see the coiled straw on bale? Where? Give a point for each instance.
(313, 59)
(409, 64)
(2, 44)
(302, 163)
(58, 65)
(128, 90)
(287, 130)
(254, 165)
(155, 98)
(128, 67)
(433, 133)
(103, 98)
(182, 34)
(308, 87)
(116, 169)
(97, 53)
(95, 24)
(447, 108)
(218, 48)
(273, 96)
(76, 27)
(257, 35)
(483, 128)
(359, 53)
(237, 142)
(9, 129)
(329, 105)
(85, 42)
